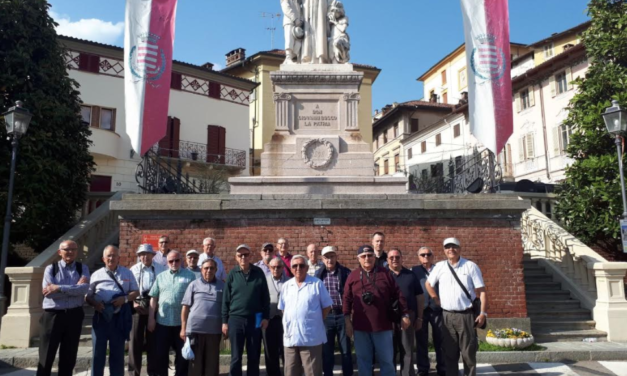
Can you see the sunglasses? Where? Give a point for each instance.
(276, 267)
(245, 255)
(211, 268)
(267, 250)
(394, 257)
(426, 255)
(174, 261)
(299, 266)
(163, 242)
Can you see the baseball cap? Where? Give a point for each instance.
(328, 249)
(192, 252)
(145, 248)
(364, 249)
(242, 246)
(267, 245)
(451, 241)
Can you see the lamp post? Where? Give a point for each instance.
(16, 121)
(615, 119)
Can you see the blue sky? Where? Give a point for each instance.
(402, 37)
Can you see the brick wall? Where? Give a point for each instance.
(494, 244)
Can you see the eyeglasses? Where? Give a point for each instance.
(245, 255)
(267, 250)
(276, 267)
(299, 266)
(211, 268)
(163, 242)
(426, 255)
(366, 255)
(394, 257)
(174, 261)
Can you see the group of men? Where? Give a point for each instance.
(297, 306)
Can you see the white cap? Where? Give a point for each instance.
(451, 241)
(328, 249)
(145, 248)
(242, 246)
(192, 252)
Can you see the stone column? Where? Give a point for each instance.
(21, 323)
(352, 111)
(282, 105)
(611, 307)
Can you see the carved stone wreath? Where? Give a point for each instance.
(308, 149)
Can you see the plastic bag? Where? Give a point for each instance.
(187, 352)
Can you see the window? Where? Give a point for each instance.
(376, 169)
(396, 130)
(444, 77)
(397, 163)
(424, 173)
(106, 119)
(458, 164)
(414, 125)
(565, 132)
(548, 51)
(526, 147)
(444, 97)
(386, 167)
(99, 117)
(437, 170)
(385, 137)
(438, 139)
(524, 99)
(423, 147)
(456, 131)
(561, 138)
(561, 83)
(86, 114)
(410, 154)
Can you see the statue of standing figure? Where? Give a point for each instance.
(315, 32)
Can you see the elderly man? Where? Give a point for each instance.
(458, 278)
(305, 303)
(378, 244)
(432, 316)
(145, 273)
(166, 297)
(266, 254)
(111, 287)
(209, 252)
(313, 262)
(273, 335)
(245, 311)
(412, 291)
(292, 19)
(283, 246)
(334, 276)
(191, 258)
(64, 286)
(201, 318)
(164, 249)
(370, 290)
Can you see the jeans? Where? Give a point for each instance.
(334, 324)
(103, 332)
(381, 343)
(242, 330)
(422, 342)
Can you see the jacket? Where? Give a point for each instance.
(344, 272)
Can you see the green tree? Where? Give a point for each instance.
(54, 164)
(590, 201)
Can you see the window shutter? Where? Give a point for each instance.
(95, 116)
(165, 144)
(177, 81)
(216, 137)
(532, 100)
(556, 141)
(89, 62)
(175, 137)
(214, 90)
(552, 85)
(521, 149)
(517, 100)
(529, 144)
(569, 78)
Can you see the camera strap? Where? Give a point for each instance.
(373, 281)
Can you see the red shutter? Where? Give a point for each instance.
(89, 62)
(166, 142)
(216, 144)
(214, 90)
(176, 81)
(175, 136)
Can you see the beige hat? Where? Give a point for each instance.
(328, 249)
(451, 241)
(192, 252)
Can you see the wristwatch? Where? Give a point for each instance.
(485, 314)
(126, 299)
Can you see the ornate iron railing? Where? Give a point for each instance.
(195, 151)
(156, 174)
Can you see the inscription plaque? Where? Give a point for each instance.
(317, 115)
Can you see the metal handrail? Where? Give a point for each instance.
(195, 151)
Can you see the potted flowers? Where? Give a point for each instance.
(509, 337)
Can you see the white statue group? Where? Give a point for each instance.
(315, 32)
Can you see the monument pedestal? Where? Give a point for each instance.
(317, 147)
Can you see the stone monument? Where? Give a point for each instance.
(317, 147)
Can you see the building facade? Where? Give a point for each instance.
(207, 123)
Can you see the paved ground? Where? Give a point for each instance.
(548, 369)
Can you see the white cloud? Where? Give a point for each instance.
(217, 67)
(91, 29)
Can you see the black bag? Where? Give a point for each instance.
(394, 312)
(476, 304)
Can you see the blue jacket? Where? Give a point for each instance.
(343, 273)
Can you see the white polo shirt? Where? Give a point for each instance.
(452, 297)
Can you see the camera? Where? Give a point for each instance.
(367, 297)
(144, 300)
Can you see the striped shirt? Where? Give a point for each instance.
(70, 295)
(170, 288)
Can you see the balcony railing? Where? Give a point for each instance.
(195, 151)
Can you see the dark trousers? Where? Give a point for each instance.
(60, 330)
(404, 348)
(335, 326)
(166, 338)
(141, 339)
(273, 346)
(206, 350)
(433, 318)
(105, 333)
(459, 336)
(242, 331)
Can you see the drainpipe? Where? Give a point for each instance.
(546, 146)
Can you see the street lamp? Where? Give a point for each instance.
(16, 121)
(615, 119)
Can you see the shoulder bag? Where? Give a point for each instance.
(476, 304)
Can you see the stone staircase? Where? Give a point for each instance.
(555, 315)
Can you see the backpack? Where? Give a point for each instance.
(79, 269)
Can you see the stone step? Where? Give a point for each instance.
(569, 335)
(542, 286)
(567, 304)
(561, 324)
(542, 295)
(579, 314)
(539, 278)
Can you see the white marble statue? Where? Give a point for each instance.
(339, 41)
(316, 24)
(293, 29)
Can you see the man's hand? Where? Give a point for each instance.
(480, 320)
(152, 323)
(264, 324)
(418, 324)
(50, 289)
(182, 334)
(99, 307)
(139, 309)
(405, 323)
(84, 280)
(117, 302)
(298, 22)
(225, 330)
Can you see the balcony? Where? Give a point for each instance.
(199, 153)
